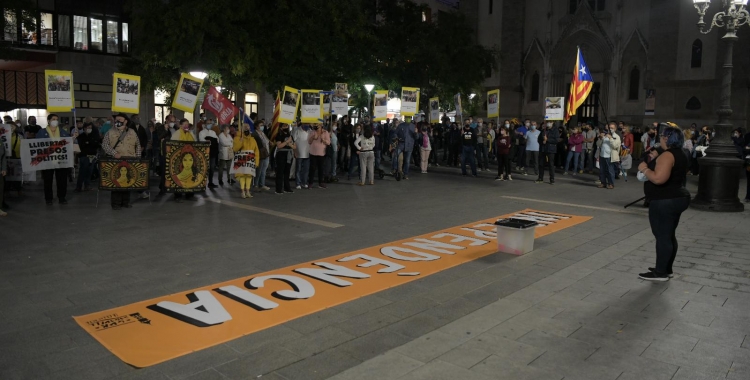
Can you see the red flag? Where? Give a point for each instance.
(275, 120)
(220, 106)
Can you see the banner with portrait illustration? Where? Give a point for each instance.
(186, 96)
(409, 101)
(289, 104)
(380, 105)
(186, 166)
(59, 90)
(312, 107)
(434, 110)
(243, 163)
(126, 93)
(15, 172)
(493, 103)
(554, 108)
(43, 154)
(123, 174)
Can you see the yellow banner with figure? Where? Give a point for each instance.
(289, 104)
(409, 101)
(380, 105)
(312, 106)
(59, 90)
(493, 103)
(126, 93)
(187, 93)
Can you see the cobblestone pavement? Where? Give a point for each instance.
(571, 309)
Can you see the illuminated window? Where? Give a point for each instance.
(96, 34)
(113, 42)
(63, 30)
(80, 33)
(48, 34)
(251, 98)
(125, 39)
(10, 27)
(28, 32)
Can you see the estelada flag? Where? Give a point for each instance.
(220, 106)
(580, 86)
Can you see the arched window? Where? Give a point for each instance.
(535, 87)
(693, 104)
(635, 84)
(696, 56)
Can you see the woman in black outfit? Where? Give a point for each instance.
(668, 199)
(284, 146)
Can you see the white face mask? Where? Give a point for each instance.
(53, 123)
(171, 125)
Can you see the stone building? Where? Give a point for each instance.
(648, 58)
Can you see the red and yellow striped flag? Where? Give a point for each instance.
(275, 120)
(580, 86)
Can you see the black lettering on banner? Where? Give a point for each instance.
(303, 289)
(372, 261)
(327, 275)
(204, 310)
(246, 298)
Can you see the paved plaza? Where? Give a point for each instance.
(571, 309)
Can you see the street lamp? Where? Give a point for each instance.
(471, 96)
(369, 88)
(199, 74)
(719, 180)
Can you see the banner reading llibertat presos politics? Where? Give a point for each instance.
(243, 163)
(59, 90)
(43, 154)
(289, 104)
(380, 105)
(409, 100)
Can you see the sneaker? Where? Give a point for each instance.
(580, 172)
(322, 186)
(653, 276)
(565, 173)
(305, 187)
(289, 191)
(406, 177)
(265, 188)
(539, 181)
(298, 187)
(499, 179)
(145, 195)
(669, 274)
(524, 173)
(510, 178)
(278, 193)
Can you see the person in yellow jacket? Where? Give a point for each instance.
(244, 141)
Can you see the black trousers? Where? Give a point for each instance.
(120, 198)
(282, 172)
(317, 164)
(61, 177)
(547, 160)
(664, 216)
(454, 153)
(503, 164)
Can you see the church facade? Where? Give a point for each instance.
(647, 57)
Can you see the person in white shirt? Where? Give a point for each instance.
(226, 155)
(365, 144)
(302, 151)
(532, 149)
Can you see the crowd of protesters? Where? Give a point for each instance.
(297, 154)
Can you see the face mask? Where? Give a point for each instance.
(171, 125)
(247, 133)
(533, 127)
(185, 128)
(53, 123)
(549, 125)
(118, 124)
(335, 128)
(108, 122)
(88, 130)
(209, 126)
(527, 124)
(262, 127)
(508, 125)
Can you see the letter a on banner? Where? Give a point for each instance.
(493, 103)
(289, 104)
(126, 93)
(59, 90)
(187, 93)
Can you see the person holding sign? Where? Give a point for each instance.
(53, 131)
(122, 142)
(244, 142)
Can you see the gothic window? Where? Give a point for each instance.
(693, 104)
(696, 56)
(635, 81)
(535, 87)
(596, 5)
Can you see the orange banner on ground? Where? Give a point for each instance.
(150, 332)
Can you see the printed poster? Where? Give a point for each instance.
(457, 103)
(123, 174)
(341, 89)
(289, 104)
(43, 154)
(493, 103)
(5, 138)
(380, 106)
(243, 163)
(187, 93)
(59, 90)
(326, 102)
(126, 93)
(409, 101)
(554, 108)
(15, 172)
(434, 110)
(312, 106)
(187, 165)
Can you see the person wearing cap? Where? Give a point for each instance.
(53, 131)
(244, 141)
(121, 142)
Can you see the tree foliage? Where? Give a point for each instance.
(306, 44)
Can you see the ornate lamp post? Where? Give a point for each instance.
(719, 179)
